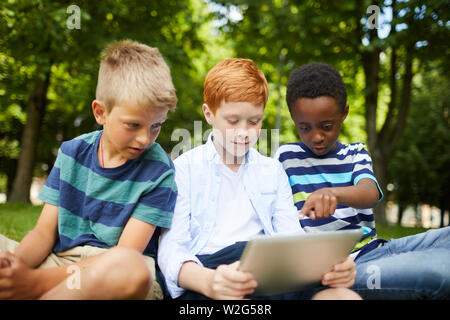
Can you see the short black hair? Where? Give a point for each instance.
(315, 80)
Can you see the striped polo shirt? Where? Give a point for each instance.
(345, 166)
(95, 203)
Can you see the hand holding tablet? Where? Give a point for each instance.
(285, 263)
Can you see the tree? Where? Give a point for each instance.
(421, 28)
(39, 36)
(419, 166)
(340, 33)
(14, 26)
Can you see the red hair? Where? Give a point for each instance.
(235, 80)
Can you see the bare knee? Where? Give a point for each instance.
(121, 274)
(337, 294)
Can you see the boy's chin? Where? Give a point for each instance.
(133, 153)
(236, 152)
(321, 151)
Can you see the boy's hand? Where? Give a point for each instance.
(342, 276)
(17, 280)
(320, 204)
(4, 262)
(230, 283)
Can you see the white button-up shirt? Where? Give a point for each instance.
(198, 178)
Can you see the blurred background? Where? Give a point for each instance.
(393, 56)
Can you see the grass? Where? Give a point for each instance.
(16, 220)
(395, 231)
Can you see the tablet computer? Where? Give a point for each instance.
(284, 263)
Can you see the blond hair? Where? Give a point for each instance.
(235, 80)
(136, 73)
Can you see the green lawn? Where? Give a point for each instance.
(17, 219)
(395, 232)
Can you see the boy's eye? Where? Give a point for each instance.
(303, 128)
(156, 125)
(327, 127)
(132, 125)
(254, 122)
(232, 121)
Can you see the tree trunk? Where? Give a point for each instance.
(419, 215)
(380, 171)
(11, 167)
(279, 91)
(371, 65)
(443, 206)
(391, 144)
(401, 209)
(35, 109)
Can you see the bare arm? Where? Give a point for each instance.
(136, 234)
(195, 278)
(38, 243)
(323, 202)
(226, 282)
(362, 196)
(20, 280)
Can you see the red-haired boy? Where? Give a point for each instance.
(228, 193)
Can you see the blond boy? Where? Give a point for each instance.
(107, 196)
(228, 193)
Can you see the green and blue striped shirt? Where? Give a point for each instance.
(95, 203)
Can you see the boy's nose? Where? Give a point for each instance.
(242, 133)
(144, 137)
(318, 137)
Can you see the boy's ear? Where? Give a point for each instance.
(99, 110)
(345, 113)
(208, 113)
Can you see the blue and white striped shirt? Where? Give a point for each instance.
(345, 166)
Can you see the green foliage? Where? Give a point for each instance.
(419, 168)
(9, 148)
(280, 35)
(194, 35)
(36, 38)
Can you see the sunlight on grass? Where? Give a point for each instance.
(395, 231)
(16, 219)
